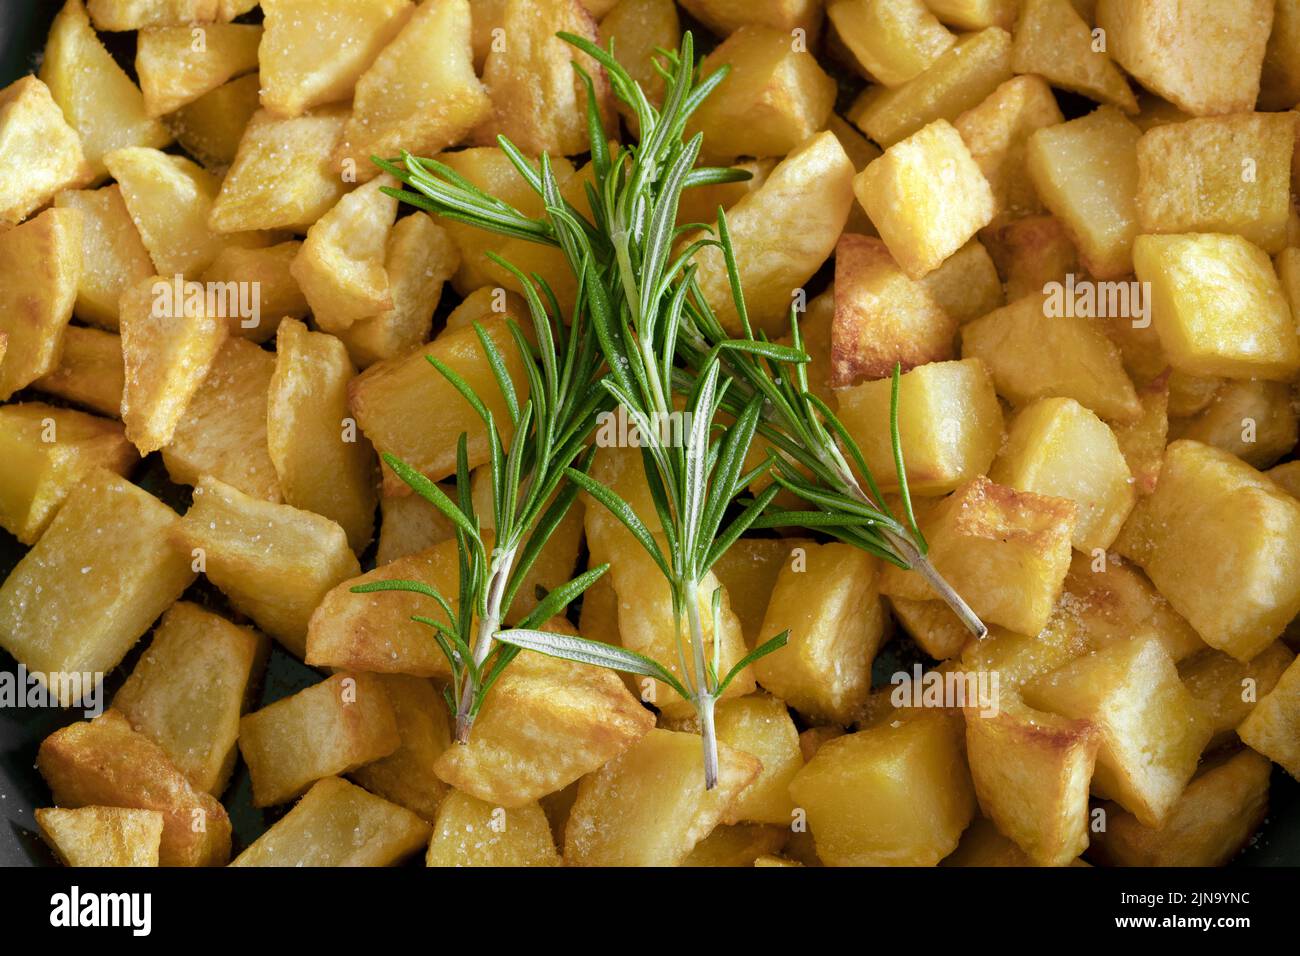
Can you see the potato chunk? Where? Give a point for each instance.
(104, 763)
(1203, 56)
(281, 177)
(118, 15)
(1086, 172)
(726, 16)
(1228, 689)
(313, 53)
(1215, 817)
(407, 776)
(321, 462)
(46, 451)
(639, 29)
(1057, 447)
(330, 728)
(961, 78)
(40, 153)
(1273, 727)
(89, 372)
(828, 599)
(741, 844)
(175, 69)
(420, 94)
(891, 40)
(898, 794)
(267, 269)
(882, 317)
(1254, 420)
(102, 836)
(99, 576)
(1152, 730)
(189, 688)
(40, 262)
(648, 806)
(96, 96)
(927, 197)
(1218, 306)
(1279, 82)
(761, 726)
(1053, 41)
(748, 570)
(1033, 352)
(975, 14)
(949, 422)
(1007, 552)
(338, 824)
(212, 126)
(469, 832)
(112, 256)
(274, 562)
(1030, 253)
(781, 232)
(391, 400)
(169, 344)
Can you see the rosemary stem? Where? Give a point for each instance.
(488, 626)
(704, 699)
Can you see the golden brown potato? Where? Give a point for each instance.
(761, 726)
(726, 16)
(1055, 42)
(212, 126)
(983, 845)
(338, 824)
(330, 728)
(1030, 253)
(177, 65)
(112, 256)
(321, 461)
(742, 844)
(1273, 727)
(89, 372)
(1228, 689)
(748, 570)
(1143, 440)
(103, 762)
(891, 40)
(407, 776)
(267, 269)
(967, 285)
(40, 262)
(469, 832)
(140, 14)
(46, 452)
(274, 562)
(975, 14)
(638, 29)
(99, 576)
(648, 806)
(1254, 420)
(409, 524)
(102, 836)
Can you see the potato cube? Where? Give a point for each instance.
(169, 344)
(960, 79)
(1218, 306)
(927, 197)
(1253, 420)
(342, 723)
(967, 285)
(1223, 174)
(99, 576)
(1152, 730)
(782, 232)
(374, 631)
(407, 776)
(1053, 41)
(828, 599)
(102, 836)
(539, 101)
(1143, 440)
(189, 688)
(639, 29)
(469, 832)
(761, 726)
(1035, 350)
(892, 40)
(898, 794)
(338, 824)
(391, 400)
(1273, 727)
(1085, 171)
(743, 844)
(1203, 56)
(89, 372)
(274, 562)
(1031, 772)
(1207, 498)
(726, 16)
(648, 806)
(1006, 551)
(937, 631)
(1218, 813)
(266, 269)
(223, 430)
(314, 53)
(1279, 82)
(47, 451)
(949, 422)
(409, 524)
(104, 763)
(40, 154)
(211, 127)
(882, 318)
(975, 14)
(774, 98)
(322, 464)
(1228, 689)
(175, 68)
(1057, 447)
(112, 256)
(281, 177)
(545, 724)
(1030, 253)
(984, 845)
(420, 94)
(40, 262)
(749, 570)
(96, 96)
